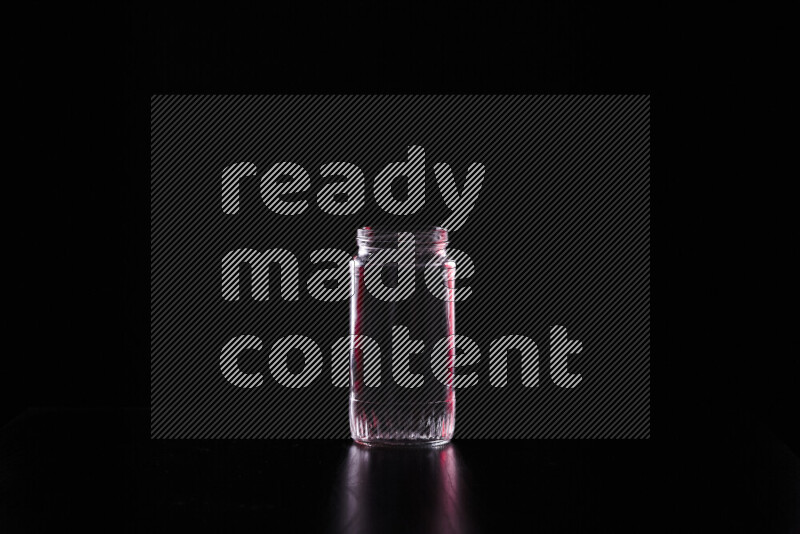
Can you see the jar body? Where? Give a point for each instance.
(402, 352)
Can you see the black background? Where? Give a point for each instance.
(75, 450)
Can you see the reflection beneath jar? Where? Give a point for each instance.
(401, 490)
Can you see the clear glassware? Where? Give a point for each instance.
(402, 326)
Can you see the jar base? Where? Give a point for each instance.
(406, 424)
(406, 444)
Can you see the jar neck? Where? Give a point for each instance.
(427, 241)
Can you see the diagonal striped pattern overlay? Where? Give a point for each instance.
(249, 282)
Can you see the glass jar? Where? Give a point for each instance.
(402, 326)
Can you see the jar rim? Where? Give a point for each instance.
(433, 235)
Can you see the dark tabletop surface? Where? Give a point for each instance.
(98, 469)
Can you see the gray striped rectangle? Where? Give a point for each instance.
(559, 236)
